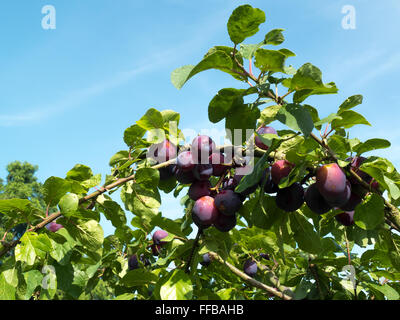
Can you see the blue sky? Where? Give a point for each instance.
(67, 95)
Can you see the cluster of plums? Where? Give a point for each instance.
(133, 261)
(213, 206)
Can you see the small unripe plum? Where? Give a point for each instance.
(250, 268)
(228, 202)
(202, 147)
(203, 171)
(54, 227)
(263, 130)
(184, 177)
(315, 201)
(199, 189)
(158, 236)
(225, 223)
(332, 184)
(280, 169)
(345, 218)
(351, 204)
(217, 160)
(185, 161)
(206, 260)
(133, 262)
(204, 212)
(290, 198)
(163, 151)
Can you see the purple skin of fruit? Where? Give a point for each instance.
(204, 212)
(315, 201)
(155, 249)
(343, 198)
(133, 262)
(163, 151)
(167, 172)
(352, 203)
(217, 160)
(199, 189)
(184, 177)
(280, 169)
(269, 186)
(332, 184)
(225, 223)
(355, 165)
(265, 256)
(202, 147)
(185, 161)
(290, 198)
(250, 268)
(203, 171)
(54, 227)
(263, 130)
(158, 236)
(206, 260)
(229, 184)
(345, 218)
(228, 202)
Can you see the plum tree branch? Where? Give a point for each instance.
(249, 280)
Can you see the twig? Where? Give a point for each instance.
(195, 244)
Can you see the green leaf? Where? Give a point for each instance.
(216, 60)
(351, 102)
(274, 37)
(327, 119)
(304, 234)
(308, 77)
(268, 115)
(371, 144)
(153, 119)
(177, 287)
(7, 291)
(296, 117)
(244, 22)
(132, 136)
(270, 60)
(68, 204)
(138, 277)
(387, 290)
(32, 245)
(241, 118)
(33, 279)
(349, 119)
(89, 233)
(369, 214)
(255, 176)
(79, 172)
(53, 189)
(112, 211)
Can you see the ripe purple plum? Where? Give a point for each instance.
(133, 262)
(356, 162)
(350, 205)
(158, 236)
(315, 201)
(199, 189)
(203, 171)
(228, 202)
(250, 268)
(290, 198)
(185, 161)
(167, 172)
(225, 223)
(333, 185)
(54, 227)
(280, 169)
(206, 260)
(345, 218)
(202, 147)
(265, 256)
(184, 177)
(263, 130)
(163, 151)
(269, 186)
(204, 212)
(217, 160)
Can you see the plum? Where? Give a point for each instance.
(280, 169)
(133, 262)
(217, 160)
(54, 227)
(205, 260)
(228, 202)
(225, 223)
(345, 218)
(315, 201)
(269, 186)
(290, 198)
(229, 184)
(185, 161)
(263, 130)
(332, 184)
(163, 151)
(202, 147)
(199, 189)
(356, 162)
(265, 256)
(250, 268)
(158, 236)
(167, 172)
(203, 171)
(351, 204)
(204, 212)
(184, 177)
(155, 249)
